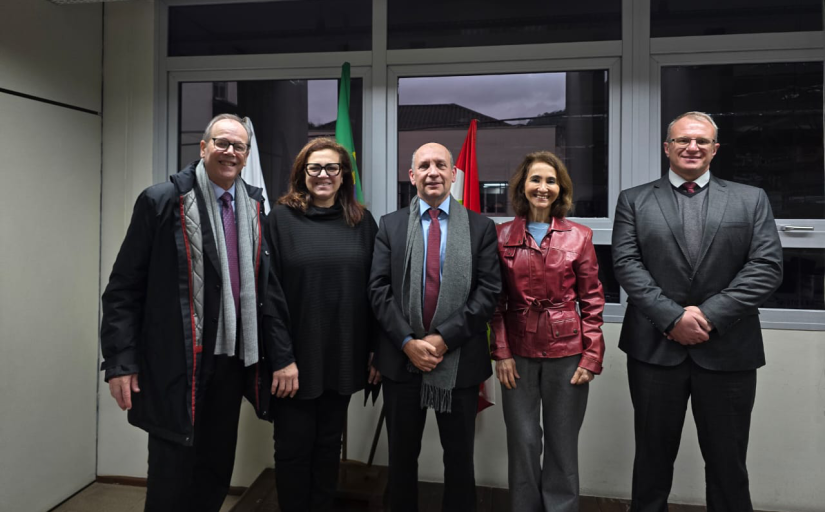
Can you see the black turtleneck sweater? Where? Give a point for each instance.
(323, 266)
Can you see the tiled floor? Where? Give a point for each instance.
(116, 498)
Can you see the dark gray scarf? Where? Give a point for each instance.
(456, 279)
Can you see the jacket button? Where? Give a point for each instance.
(217, 286)
(260, 304)
(266, 252)
(557, 333)
(575, 331)
(215, 319)
(544, 353)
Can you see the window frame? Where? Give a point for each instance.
(634, 65)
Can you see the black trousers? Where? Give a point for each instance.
(722, 403)
(307, 436)
(196, 478)
(405, 427)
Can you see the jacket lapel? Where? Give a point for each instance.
(663, 191)
(717, 202)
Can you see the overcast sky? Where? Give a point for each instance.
(498, 96)
(323, 100)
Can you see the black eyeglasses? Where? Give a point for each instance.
(314, 170)
(223, 145)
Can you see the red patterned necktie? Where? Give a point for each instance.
(433, 280)
(689, 187)
(231, 236)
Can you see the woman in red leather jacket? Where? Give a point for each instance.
(545, 350)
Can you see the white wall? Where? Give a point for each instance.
(788, 432)
(49, 254)
(787, 443)
(52, 51)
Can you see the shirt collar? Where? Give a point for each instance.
(444, 206)
(219, 191)
(677, 180)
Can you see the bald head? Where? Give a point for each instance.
(432, 173)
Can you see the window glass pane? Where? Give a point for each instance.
(565, 113)
(803, 284)
(453, 23)
(770, 127)
(288, 26)
(671, 18)
(604, 253)
(278, 110)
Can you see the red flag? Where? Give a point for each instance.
(467, 180)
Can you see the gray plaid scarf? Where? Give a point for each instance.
(227, 329)
(456, 278)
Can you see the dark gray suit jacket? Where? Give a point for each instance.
(739, 266)
(466, 328)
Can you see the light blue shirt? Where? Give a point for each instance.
(538, 230)
(443, 216)
(219, 191)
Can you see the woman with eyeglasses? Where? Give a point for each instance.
(548, 342)
(321, 240)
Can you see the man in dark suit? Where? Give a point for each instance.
(697, 256)
(434, 285)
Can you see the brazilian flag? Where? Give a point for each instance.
(343, 128)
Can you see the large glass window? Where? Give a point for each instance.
(770, 131)
(671, 18)
(285, 114)
(565, 113)
(803, 286)
(454, 23)
(770, 127)
(287, 26)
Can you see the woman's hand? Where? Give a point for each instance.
(582, 376)
(507, 373)
(285, 381)
(374, 376)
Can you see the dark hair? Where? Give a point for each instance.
(562, 205)
(298, 196)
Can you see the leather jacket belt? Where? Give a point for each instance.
(536, 307)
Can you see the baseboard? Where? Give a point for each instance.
(141, 482)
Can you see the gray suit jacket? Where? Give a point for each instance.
(739, 266)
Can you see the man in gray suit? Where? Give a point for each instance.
(697, 256)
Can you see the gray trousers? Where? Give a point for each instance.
(544, 386)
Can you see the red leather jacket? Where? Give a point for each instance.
(536, 314)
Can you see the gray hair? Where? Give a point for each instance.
(699, 116)
(412, 160)
(207, 134)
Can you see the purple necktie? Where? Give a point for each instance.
(231, 236)
(689, 187)
(433, 282)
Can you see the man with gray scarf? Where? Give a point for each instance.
(182, 320)
(434, 285)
